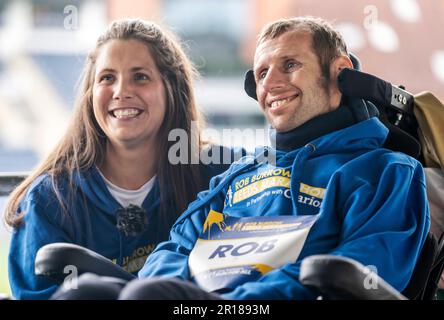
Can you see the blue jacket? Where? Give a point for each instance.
(91, 223)
(371, 203)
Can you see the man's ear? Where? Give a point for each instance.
(336, 66)
(339, 63)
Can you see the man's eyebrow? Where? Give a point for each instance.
(286, 57)
(257, 68)
(290, 57)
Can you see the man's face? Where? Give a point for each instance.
(289, 84)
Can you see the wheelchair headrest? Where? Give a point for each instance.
(250, 82)
(355, 61)
(361, 85)
(358, 84)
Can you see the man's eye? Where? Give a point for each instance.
(289, 65)
(262, 75)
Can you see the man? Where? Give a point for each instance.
(333, 189)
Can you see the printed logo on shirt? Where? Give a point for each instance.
(253, 185)
(214, 218)
(136, 260)
(231, 251)
(311, 196)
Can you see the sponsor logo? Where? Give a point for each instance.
(214, 218)
(311, 196)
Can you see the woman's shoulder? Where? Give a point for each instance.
(41, 185)
(43, 188)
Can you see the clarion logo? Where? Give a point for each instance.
(312, 191)
(312, 195)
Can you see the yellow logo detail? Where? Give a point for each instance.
(312, 191)
(216, 218)
(260, 186)
(262, 268)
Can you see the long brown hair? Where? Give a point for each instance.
(83, 144)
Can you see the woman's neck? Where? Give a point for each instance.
(129, 168)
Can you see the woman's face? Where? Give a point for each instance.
(129, 96)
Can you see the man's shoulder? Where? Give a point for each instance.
(387, 157)
(382, 163)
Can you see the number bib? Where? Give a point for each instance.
(231, 251)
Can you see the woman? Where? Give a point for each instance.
(109, 185)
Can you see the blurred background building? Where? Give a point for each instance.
(43, 45)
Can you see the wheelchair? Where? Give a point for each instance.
(331, 277)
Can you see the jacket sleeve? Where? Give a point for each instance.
(383, 223)
(170, 258)
(39, 228)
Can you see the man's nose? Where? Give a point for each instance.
(123, 90)
(274, 79)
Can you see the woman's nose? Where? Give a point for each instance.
(123, 90)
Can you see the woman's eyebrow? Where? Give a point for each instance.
(135, 69)
(106, 70)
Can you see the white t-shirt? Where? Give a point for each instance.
(126, 197)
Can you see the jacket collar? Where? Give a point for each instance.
(347, 114)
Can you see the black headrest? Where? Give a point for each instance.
(358, 84)
(355, 61)
(250, 84)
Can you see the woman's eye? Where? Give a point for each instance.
(106, 77)
(141, 76)
(290, 65)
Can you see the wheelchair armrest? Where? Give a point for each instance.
(52, 259)
(340, 278)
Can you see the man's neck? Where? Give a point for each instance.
(348, 113)
(129, 168)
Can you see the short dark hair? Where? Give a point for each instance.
(327, 43)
